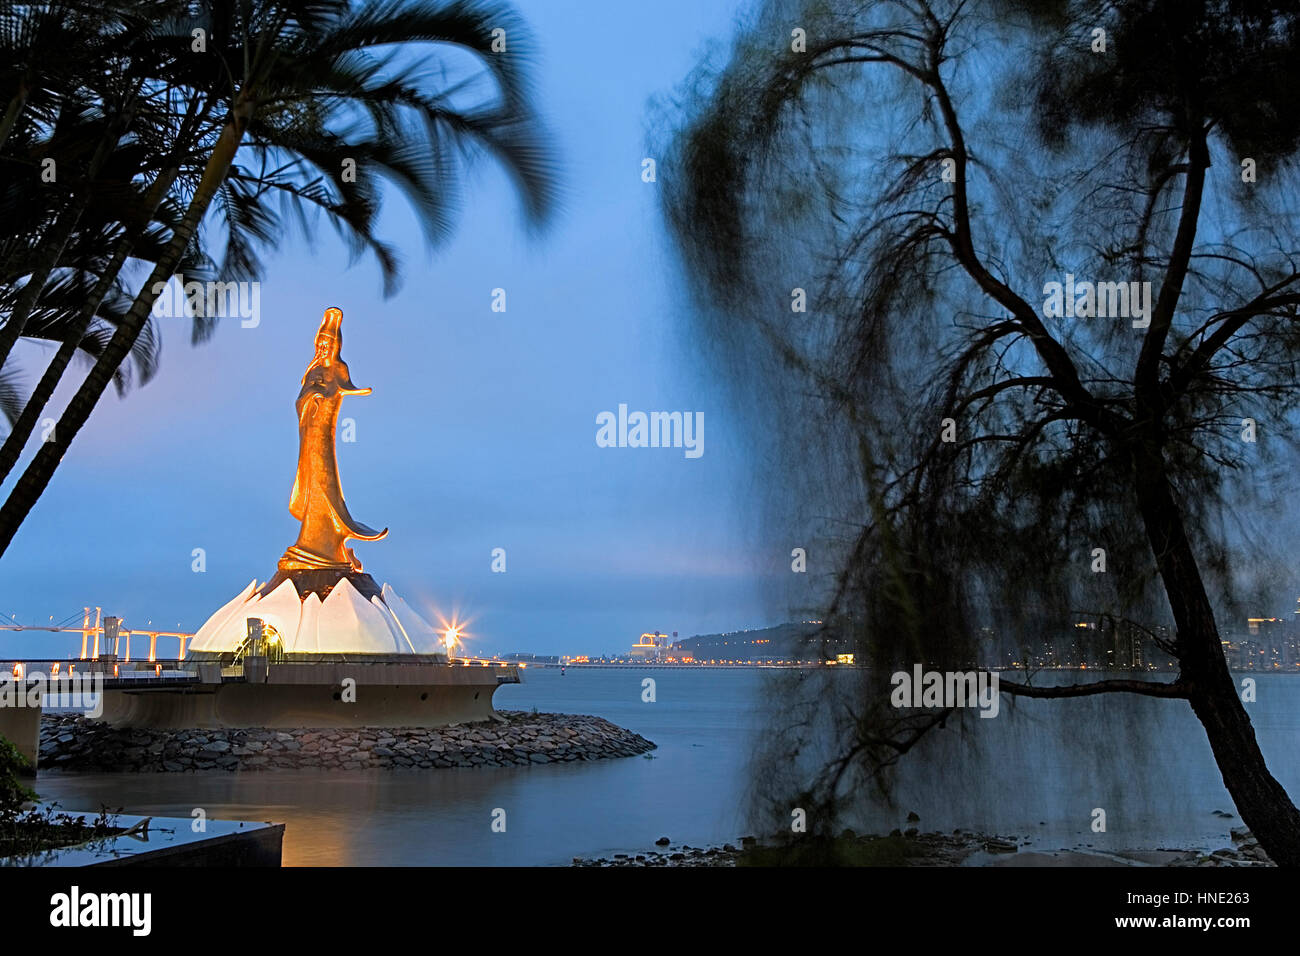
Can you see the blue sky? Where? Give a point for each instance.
(481, 429)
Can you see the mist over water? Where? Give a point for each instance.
(1145, 761)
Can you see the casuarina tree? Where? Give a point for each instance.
(1028, 275)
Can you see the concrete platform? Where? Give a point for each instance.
(170, 841)
(379, 693)
(362, 691)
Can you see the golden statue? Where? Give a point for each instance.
(317, 499)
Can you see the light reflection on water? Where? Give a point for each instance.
(691, 792)
(1145, 761)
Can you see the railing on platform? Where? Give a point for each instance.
(106, 665)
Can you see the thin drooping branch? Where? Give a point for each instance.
(1233, 321)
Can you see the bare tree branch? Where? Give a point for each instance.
(1145, 688)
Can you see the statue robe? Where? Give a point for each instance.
(317, 498)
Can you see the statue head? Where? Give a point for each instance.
(329, 338)
(329, 341)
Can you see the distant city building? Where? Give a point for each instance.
(651, 646)
(1265, 644)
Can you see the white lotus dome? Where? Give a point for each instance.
(345, 622)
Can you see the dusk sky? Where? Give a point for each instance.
(481, 430)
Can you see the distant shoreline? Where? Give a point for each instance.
(611, 664)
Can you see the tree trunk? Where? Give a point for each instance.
(47, 256)
(37, 476)
(1262, 802)
(40, 397)
(12, 112)
(55, 240)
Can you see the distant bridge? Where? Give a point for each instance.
(100, 632)
(108, 630)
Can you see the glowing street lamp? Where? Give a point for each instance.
(450, 637)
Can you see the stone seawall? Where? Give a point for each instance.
(74, 742)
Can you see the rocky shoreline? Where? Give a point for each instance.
(76, 743)
(912, 849)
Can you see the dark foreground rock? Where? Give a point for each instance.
(73, 742)
(1245, 851)
(914, 848)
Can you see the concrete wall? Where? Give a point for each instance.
(301, 705)
(262, 846)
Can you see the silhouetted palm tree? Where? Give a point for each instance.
(125, 222)
(78, 79)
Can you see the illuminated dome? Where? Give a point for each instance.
(348, 615)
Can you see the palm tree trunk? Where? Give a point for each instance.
(22, 429)
(12, 112)
(40, 397)
(55, 240)
(37, 476)
(1262, 802)
(48, 253)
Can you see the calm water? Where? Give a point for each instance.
(703, 722)
(1043, 766)
(1038, 770)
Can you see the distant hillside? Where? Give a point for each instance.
(790, 641)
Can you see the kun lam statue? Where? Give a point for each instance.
(320, 605)
(292, 642)
(317, 498)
